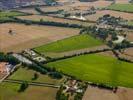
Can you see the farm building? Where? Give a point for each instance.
(5, 69)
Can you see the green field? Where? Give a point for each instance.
(130, 23)
(4, 15)
(27, 75)
(9, 91)
(98, 69)
(68, 44)
(122, 7)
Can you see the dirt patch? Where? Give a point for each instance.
(98, 14)
(30, 36)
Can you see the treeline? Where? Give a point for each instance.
(70, 56)
(50, 12)
(49, 23)
(8, 58)
(43, 69)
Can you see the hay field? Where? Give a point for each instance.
(48, 18)
(30, 36)
(95, 93)
(98, 14)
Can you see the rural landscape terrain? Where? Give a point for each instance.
(66, 49)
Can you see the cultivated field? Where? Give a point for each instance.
(9, 91)
(122, 7)
(69, 44)
(48, 18)
(30, 36)
(94, 17)
(95, 93)
(98, 69)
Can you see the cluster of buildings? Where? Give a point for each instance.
(5, 70)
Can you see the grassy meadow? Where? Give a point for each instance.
(69, 44)
(28, 75)
(98, 69)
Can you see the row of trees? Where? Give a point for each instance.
(8, 58)
(50, 23)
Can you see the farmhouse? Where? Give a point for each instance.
(5, 69)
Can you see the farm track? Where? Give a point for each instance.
(32, 83)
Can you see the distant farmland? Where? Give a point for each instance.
(98, 69)
(4, 15)
(68, 44)
(53, 19)
(122, 7)
(30, 36)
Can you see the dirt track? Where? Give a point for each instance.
(30, 36)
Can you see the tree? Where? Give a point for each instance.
(23, 87)
(35, 76)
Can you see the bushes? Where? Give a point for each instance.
(55, 75)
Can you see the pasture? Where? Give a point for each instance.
(97, 68)
(122, 7)
(69, 44)
(28, 75)
(29, 36)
